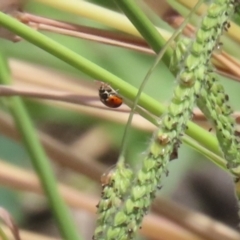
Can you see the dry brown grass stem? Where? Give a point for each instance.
(43, 80)
(26, 235)
(88, 33)
(222, 60)
(204, 227)
(65, 87)
(10, 223)
(58, 152)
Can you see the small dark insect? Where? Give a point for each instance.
(106, 177)
(109, 97)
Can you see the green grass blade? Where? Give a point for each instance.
(145, 27)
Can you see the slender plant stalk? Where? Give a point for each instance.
(125, 89)
(39, 159)
(145, 27)
(219, 161)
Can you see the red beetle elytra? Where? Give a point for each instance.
(109, 97)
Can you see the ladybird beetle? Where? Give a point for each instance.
(109, 97)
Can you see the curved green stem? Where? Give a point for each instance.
(145, 27)
(126, 90)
